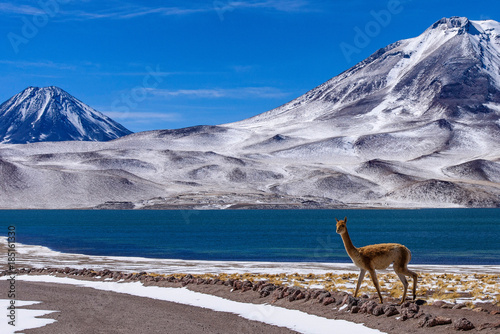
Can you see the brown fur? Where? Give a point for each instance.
(380, 256)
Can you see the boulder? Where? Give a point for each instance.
(463, 324)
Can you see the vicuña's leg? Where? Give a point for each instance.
(415, 279)
(403, 270)
(402, 277)
(360, 279)
(375, 282)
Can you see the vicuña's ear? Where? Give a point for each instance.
(345, 219)
(336, 219)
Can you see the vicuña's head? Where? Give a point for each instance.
(341, 228)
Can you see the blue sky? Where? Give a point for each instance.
(171, 64)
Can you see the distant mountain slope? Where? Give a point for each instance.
(51, 114)
(451, 71)
(417, 124)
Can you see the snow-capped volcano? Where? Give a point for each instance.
(51, 114)
(416, 124)
(451, 71)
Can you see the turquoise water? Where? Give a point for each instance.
(435, 236)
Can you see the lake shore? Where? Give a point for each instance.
(50, 287)
(449, 292)
(35, 256)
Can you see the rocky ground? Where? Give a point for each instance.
(420, 316)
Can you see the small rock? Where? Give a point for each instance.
(296, 295)
(350, 301)
(438, 321)
(378, 310)
(277, 294)
(328, 301)
(245, 288)
(368, 307)
(425, 319)
(409, 310)
(347, 299)
(355, 309)
(247, 285)
(413, 308)
(264, 293)
(323, 295)
(339, 299)
(266, 290)
(257, 285)
(237, 285)
(283, 292)
(442, 304)
(406, 304)
(316, 293)
(489, 326)
(459, 306)
(439, 303)
(265, 286)
(390, 310)
(463, 325)
(288, 291)
(419, 314)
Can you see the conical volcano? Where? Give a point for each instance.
(51, 114)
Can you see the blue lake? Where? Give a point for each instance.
(435, 236)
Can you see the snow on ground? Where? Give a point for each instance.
(453, 283)
(25, 319)
(273, 315)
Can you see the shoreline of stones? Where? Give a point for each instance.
(341, 301)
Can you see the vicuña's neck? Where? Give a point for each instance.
(349, 247)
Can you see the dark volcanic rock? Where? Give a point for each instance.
(463, 325)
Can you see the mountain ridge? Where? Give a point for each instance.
(338, 95)
(417, 124)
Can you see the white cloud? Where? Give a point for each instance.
(130, 10)
(39, 64)
(142, 116)
(11, 8)
(129, 13)
(243, 92)
(278, 5)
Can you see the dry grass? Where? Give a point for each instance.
(467, 288)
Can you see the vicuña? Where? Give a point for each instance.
(380, 256)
